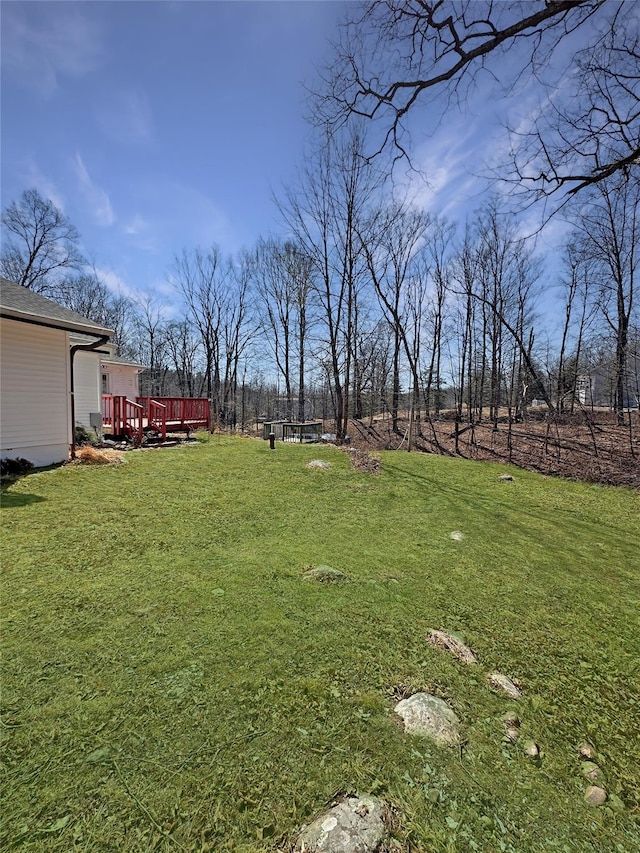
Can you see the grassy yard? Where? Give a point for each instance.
(171, 682)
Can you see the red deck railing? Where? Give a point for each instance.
(121, 416)
(180, 412)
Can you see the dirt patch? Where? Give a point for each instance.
(587, 446)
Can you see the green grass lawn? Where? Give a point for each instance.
(171, 682)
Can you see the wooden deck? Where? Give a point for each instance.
(134, 418)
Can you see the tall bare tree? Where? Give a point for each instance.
(610, 224)
(40, 244)
(396, 56)
(322, 215)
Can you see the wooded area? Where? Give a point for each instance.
(367, 306)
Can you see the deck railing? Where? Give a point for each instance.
(121, 416)
(180, 412)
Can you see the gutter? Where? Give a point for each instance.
(74, 349)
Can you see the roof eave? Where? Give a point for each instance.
(53, 323)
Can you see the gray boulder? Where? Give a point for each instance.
(424, 714)
(355, 825)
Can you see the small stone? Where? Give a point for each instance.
(325, 574)
(512, 726)
(353, 826)
(506, 478)
(502, 682)
(531, 749)
(424, 714)
(591, 771)
(454, 645)
(319, 463)
(595, 796)
(511, 719)
(586, 751)
(457, 536)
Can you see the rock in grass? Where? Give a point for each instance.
(595, 796)
(457, 536)
(424, 714)
(355, 825)
(531, 749)
(325, 574)
(319, 463)
(511, 726)
(506, 478)
(512, 733)
(586, 751)
(591, 771)
(454, 645)
(502, 682)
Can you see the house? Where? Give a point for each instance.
(119, 376)
(38, 362)
(98, 372)
(597, 387)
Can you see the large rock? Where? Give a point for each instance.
(355, 825)
(424, 714)
(452, 644)
(595, 796)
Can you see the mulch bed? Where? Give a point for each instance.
(593, 449)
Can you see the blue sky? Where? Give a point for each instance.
(162, 125)
(158, 125)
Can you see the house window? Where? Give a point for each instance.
(105, 383)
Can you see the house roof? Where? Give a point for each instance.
(21, 304)
(116, 359)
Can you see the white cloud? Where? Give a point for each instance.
(42, 42)
(126, 117)
(139, 233)
(95, 196)
(45, 186)
(116, 283)
(441, 180)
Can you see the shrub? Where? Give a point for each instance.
(84, 436)
(14, 467)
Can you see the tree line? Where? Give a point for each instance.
(371, 306)
(367, 303)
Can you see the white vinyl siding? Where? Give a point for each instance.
(34, 381)
(86, 380)
(123, 380)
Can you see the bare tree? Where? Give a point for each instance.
(237, 332)
(334, 191)
(392, 238)
(200, 278)
(592, 131)
(151, 340)
(182, 347)
(395, 56)
(284, 275)
(610, 224)
(41, 243)
(86, 294)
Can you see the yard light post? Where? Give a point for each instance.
(272, 441)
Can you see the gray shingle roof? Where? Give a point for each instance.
(20, 303)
